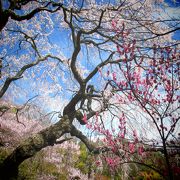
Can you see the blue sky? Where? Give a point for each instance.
(173, 3)
(62, 38)
(174, 10)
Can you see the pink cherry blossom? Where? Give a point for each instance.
(131, 147)
(85, 118)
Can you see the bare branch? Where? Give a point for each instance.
(19, 74)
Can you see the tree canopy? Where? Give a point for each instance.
(109, 68)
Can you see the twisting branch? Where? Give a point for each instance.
(9, 13)
(29, 39)
(19, 74)
(91, 147)
(107, 61)
(97, 27)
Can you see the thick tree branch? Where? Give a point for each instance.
(77, 49)
(32, 145)
(91, 146)
(4, 15)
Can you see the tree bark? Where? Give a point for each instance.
(29, 147)
(3, 19)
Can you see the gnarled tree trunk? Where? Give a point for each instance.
(29, 147)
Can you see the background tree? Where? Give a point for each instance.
(103, 38)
